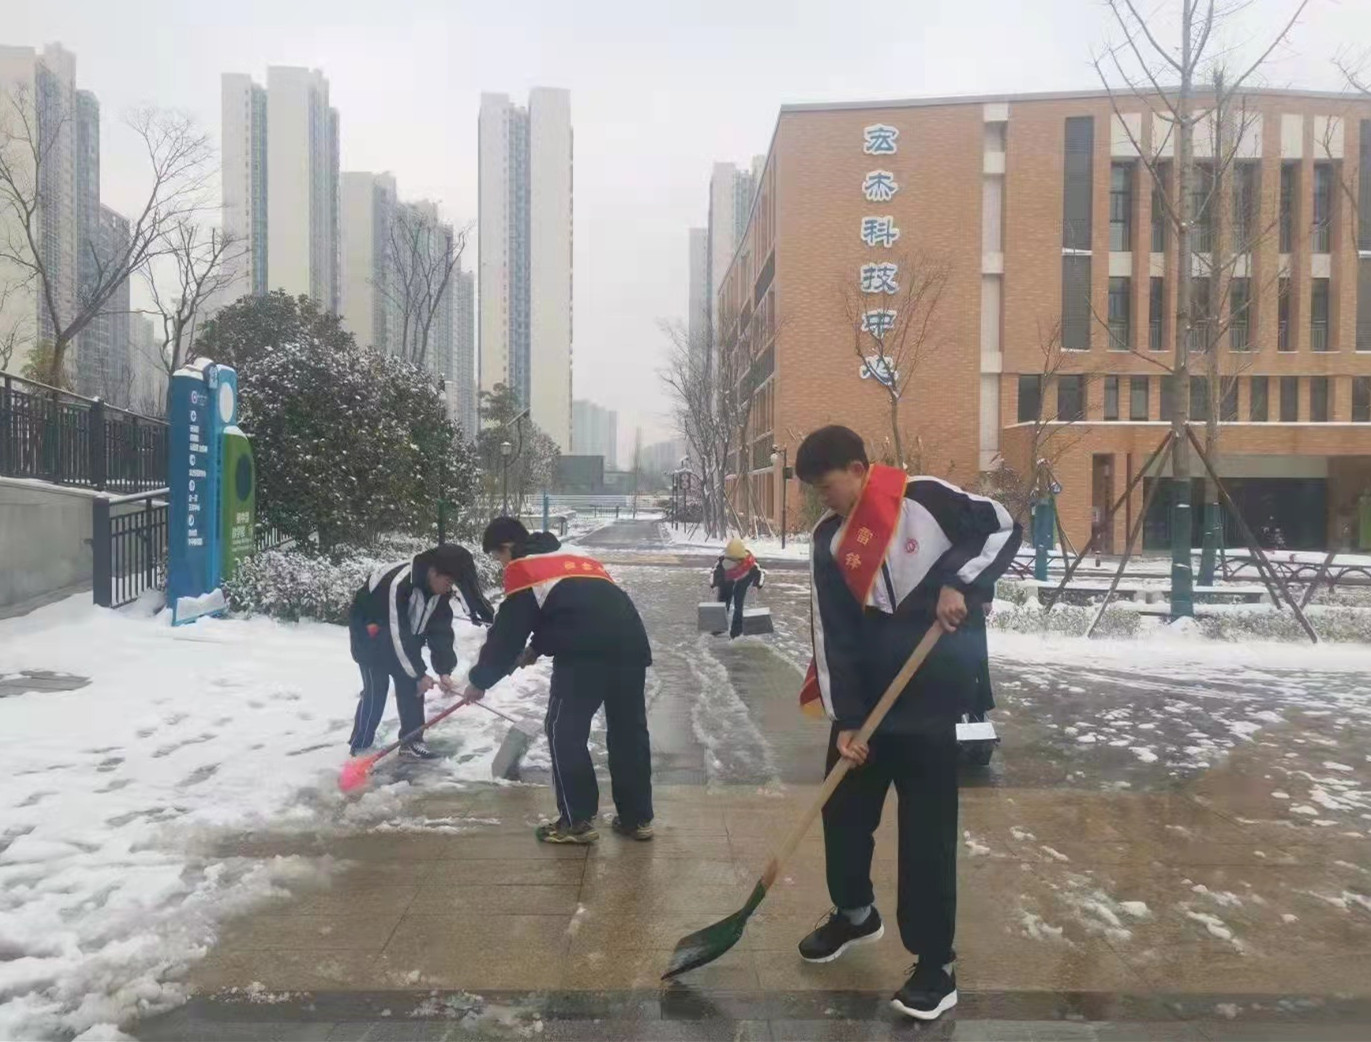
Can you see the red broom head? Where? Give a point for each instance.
(356, 772)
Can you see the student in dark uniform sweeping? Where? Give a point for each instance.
(401, 609)
(893, 555)
(566, 606)
(735, 573)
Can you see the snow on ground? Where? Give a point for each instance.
(182, 734)
(767, 548)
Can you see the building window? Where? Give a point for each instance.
(1111, 397)
(1168, 398)
(1199, 398)
(1228, 401)
(1239, 318)
(1076, 303)
(1361, 399)
(1071, 398)
(1200, 318)
(1318, 315)
(1200, 212)
(1364, 297)
(1290, 399)
(1320, 399)
(1323, 208)
(1160, 219)
(1290, 183)
(1258, 407)
(1156, 312)
(1076, 188)
(1030, 399)
(1283, 314)
(1138, 395)
(1121, 207)
(1120, 300)
(1245, 196)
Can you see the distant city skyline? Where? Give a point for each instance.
(595, 432)
(279, 160)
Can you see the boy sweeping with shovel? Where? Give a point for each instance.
(892, 555)
(574, 612)
(734, 574)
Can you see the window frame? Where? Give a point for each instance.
(1264, 382)
(1138, 384)
(1120, 292)
(1289, 395)
(1078, 381)
(1121, 207)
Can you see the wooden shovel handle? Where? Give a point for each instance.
(840, 769)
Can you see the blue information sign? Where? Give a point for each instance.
(204, 404)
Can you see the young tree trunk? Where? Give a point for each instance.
(895, 431)
(1182, 595)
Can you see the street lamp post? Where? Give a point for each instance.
(780, 452)
(506, 451)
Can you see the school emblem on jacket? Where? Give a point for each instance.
(911, 546)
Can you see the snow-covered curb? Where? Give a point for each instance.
(764, 549)
(182, 735)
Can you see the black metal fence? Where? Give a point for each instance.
(67, 439)
(128, 546)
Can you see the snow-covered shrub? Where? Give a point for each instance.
(349, 443)
(1339, 625)
(291, 585)
(1065, 620)
(1007, 591)
(296, 584)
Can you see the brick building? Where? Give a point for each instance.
(1055, 325)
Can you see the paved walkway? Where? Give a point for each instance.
(1162, 898)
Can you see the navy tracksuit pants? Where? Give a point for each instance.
(579, 688)
(371, 706)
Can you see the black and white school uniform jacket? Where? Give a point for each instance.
(393, 616)
(945, 537)
(568, 619)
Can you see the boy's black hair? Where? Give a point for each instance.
(826, 450)
(449, 559)
(504, 530)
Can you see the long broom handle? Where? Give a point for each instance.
(840, 769)
(421, 728)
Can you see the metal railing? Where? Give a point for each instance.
(128, 546)
(54, 435)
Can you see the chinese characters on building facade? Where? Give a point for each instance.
(879, 231)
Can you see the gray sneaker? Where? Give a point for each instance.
(417, 750)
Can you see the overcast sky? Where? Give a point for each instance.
(659, 91)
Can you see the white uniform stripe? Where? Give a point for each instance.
(395, 640)
(817, 632)
(993, 545)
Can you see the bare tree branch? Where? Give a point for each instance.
(178, 158)
(894, 327)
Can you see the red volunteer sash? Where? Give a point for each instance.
(742, 568)
(525, 572)
(863, 541)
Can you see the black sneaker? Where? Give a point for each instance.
(642, 832)
(838, 934)
(418, 750)
(929, 993)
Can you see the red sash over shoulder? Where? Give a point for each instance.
(740, 569)
(525, 572)
(862, 543)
